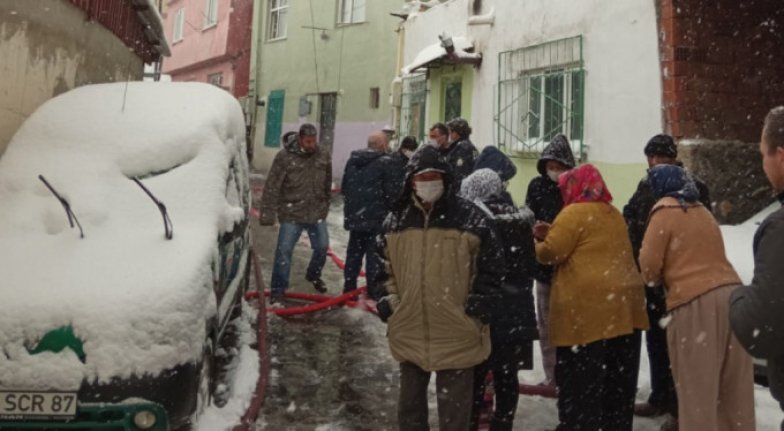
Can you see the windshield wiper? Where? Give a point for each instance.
(167, 224)
(71, 216)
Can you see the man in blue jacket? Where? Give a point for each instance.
(757, 311)
(369, 186)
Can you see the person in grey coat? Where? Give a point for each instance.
(296, 194)
(757, 310)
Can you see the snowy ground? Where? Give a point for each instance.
(333, 371)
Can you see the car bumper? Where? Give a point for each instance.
(103, 417)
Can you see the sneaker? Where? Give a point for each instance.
(648, 410)
(276, 299)
(319, 285)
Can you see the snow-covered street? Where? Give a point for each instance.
(332, 370)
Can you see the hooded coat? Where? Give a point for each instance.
(756, 315)
(514, 313)
(543, 196)
(432, 262)
(298, 186)
(369, 186)
(492, 158)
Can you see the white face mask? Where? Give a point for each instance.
(554, 175)
(433, 143)
(408, 153)
(429, 191)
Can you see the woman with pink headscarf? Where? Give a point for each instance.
(597, 305)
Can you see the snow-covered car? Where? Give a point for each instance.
(124, 237)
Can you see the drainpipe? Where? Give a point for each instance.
(397, 109)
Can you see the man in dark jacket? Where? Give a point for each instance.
(369, 186)
(757, 311)
(457, 148)
(513, 323)
(400, 158)
(296, 194)
(438, 249)
(545, 200)
(660, 149)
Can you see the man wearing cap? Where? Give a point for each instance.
(458, 150)
(441, 256)
(297, 194)
(661, 149)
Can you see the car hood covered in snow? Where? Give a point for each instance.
(136, 300)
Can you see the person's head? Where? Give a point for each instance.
(772, 148)
(661, 150)
(427, 176)
(482, 185)
(493, 158)
(583, 184)
(668, 180)
(557, 158)
(439, 135)
(458, 129)
(389, 131)
(408, 146)
(378, 141)
(307, 137)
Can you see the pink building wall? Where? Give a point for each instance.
(220, 48)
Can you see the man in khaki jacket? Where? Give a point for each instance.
(443, 263)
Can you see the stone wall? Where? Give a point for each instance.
(733, 172)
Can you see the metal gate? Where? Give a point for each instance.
(412, 110)
(540, 94)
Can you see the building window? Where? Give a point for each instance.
(413, 102)
(215, 79)
(278, 18)
(210, 13)
(541, 93)
(179, 25)
(375, 98)
(274, 118)
(352, 11)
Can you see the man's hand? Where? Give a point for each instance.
(266, 219)
(540, 230)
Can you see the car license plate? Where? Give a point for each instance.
(37, 405)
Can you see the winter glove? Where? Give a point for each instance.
(386, 307)
(480, 307)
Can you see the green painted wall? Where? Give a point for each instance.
(438, 81)
(621, 179)
(347, 59)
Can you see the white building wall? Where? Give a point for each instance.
(623, 96)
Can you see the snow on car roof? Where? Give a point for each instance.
(130, 294)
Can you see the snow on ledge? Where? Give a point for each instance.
(435, 51)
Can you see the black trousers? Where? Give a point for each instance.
(597, 384)
(362, 244)
(663, 393)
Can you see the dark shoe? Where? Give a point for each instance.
(319, 285)
(671, 424)
(648, 410)
(275, 298)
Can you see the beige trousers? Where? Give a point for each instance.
(713, 375)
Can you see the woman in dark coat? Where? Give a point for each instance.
(511, 314)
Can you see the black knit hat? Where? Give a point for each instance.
(661, 145)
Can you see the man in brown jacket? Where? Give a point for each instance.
(443, 261)
(297, 193)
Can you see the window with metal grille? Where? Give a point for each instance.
(210, 13)
(215, 79)
(179, 25)
(352, 11)
(412, 107)
(278, 19)
(540, 95)
(375, 98)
